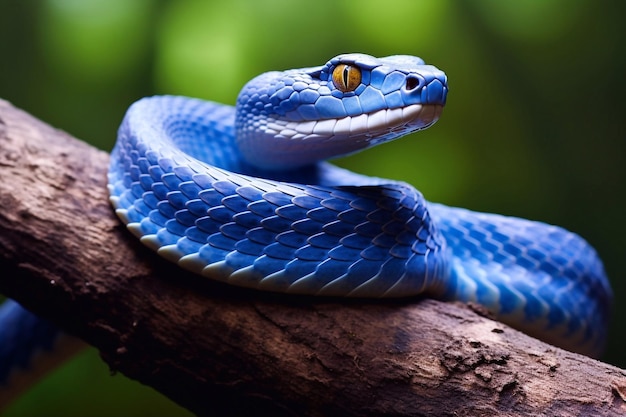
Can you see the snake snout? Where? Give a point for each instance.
(427, 87)
(435, 93)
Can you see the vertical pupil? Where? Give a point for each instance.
(346, 75)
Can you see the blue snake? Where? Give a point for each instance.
(243, 195)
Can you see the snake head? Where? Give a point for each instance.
(294, 118)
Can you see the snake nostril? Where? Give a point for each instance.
(412, 82)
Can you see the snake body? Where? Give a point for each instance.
(243, 195)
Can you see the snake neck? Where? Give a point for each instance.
(326, 232)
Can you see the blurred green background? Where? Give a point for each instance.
(534, 125)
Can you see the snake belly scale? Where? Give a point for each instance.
(243, 195)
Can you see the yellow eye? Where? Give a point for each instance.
(346, 77)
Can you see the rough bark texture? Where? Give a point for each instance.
(225, 351)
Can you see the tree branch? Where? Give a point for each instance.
(219, 350)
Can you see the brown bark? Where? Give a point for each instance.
(226, 351)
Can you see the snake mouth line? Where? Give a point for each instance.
(367, 125)
(300, 143)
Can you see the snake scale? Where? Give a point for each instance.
(243, 195)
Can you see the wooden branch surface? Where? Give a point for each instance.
(226, 351)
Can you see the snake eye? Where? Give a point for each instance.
(346, 77)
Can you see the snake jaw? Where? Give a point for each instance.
(413, 117)
(299, 143)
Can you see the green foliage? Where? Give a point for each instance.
(534, 125)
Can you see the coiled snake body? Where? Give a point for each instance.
(243, 195)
